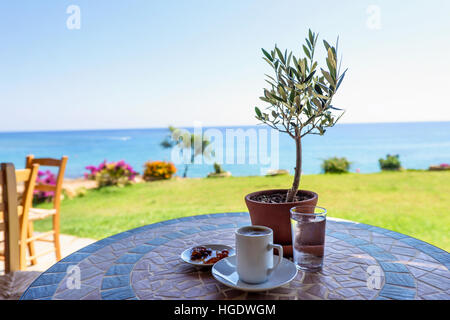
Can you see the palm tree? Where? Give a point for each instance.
(196, 144)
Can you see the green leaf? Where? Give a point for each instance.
(309, 77)
(334, 51)
(282, 93)
(295, 61)
(292, 96)
(331, 58)
(300, 86)
(311, 36)
(328, 77)
(280, 55)
(317, 103)
(309, 44)
(267, 55)
(306, 66)
(303, 67)
(320, 96)
(277, 98)
(340, 79)
(326, 44)
(305, 49)
(332, 70)
(294, 72)
(258, 112)
(318, 89)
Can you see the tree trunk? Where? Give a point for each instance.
(298, 169)
(185, 171)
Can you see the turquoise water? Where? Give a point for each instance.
(418, 144)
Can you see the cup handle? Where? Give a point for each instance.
(280, 256)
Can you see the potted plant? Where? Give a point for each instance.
(299, 103)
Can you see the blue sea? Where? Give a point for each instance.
(418, 144)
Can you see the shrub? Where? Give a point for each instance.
(111, 174)
(44, 177)
(336, 165)
(390, 163)
(158, 170)
(218, 168)
(441, 167)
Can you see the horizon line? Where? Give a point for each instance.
(208, 126)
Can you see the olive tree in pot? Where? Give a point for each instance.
(299, 103)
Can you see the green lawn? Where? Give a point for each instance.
(414, 203)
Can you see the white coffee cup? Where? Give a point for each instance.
(254, 254)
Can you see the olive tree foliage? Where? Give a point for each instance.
(299, 95)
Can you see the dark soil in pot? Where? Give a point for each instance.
(279, 197)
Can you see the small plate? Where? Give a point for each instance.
(225, 272)
(186, 254)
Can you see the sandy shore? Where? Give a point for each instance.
(71, 186)
(74, 184)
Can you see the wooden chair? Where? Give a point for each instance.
(28, 177)
(10, 224)
(39, 214)
(14, 282)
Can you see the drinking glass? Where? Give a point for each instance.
(308, 237)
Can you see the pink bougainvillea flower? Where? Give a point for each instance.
(46, 177)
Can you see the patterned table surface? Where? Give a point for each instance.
(361, 262)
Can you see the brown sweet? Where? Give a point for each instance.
(207, 255)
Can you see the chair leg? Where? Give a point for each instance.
(31, 248)
(23, 243)
(23, 255)
(56, 236)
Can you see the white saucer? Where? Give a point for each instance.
(186, 254)
(225, 272)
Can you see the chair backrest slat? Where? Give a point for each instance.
(23, 175)
(49, 162)
(45, 187)
(27, 197)
(11, 218)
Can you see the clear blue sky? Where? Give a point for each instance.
(139, 63)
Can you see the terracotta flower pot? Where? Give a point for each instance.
(277, 215)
